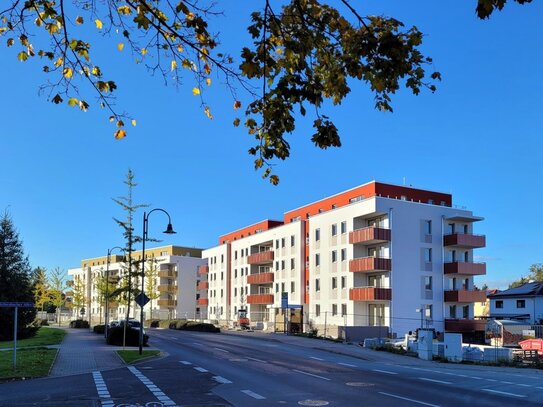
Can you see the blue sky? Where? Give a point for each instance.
(478, 137)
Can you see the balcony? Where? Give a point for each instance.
(203, 301)
(370, 294)
(468, 269)
(369, 235)
(465, 296)
(261, 278)
(370, 264)
(464, 325)
(167, 303)
(261, 257)
(465, 240)
(203, 269)
(203, 285)
(167, 288)
(167, 274)
(260, 299)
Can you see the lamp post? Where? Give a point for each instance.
(169, 230)
(106, 318)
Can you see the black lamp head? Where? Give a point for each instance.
(169, 230)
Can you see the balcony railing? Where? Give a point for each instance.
(465, 296)
(464, 240)
(203, 301)
(261, 257)
(369, 235)
(167, 288)
(470, 269)
(369, 264)
(260, 299)
(204, 269)
(167, 274)
(167, 303)
(261, 278)
(370, 294)
(203, 285)
(464, 325)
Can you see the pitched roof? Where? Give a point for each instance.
(529, 289)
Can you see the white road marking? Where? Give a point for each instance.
(257, 360)
(221, 379)
(491, 380)
(346, 364)
(506, 382)
(311, 374)
(503, 392)
(313, 357)
(405, 398)
(201, 369)
(538, 387)
(102, 390)
(476, 378)
(253, 394)
(523, 385)
(384, 371)
(434, 380)
(185, 362)
(222, 350)
(198, 343)
(159, 394)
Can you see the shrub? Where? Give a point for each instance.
(163, 324)
(79, 323)
(198, 326)
(99, 329)
(155, 323)
(115, 336)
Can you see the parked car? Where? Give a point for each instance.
(132, 324)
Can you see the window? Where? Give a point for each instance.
(317, 235)
(465, 312)
(343, 227)
(428, 311)
(235, 292)
(242, 252)
(334, 283)
(292, 286)
(282, 264)
(428, 255)
(499, 304)
(452, 311)
(277, 244)
(222, 258)
(222, 275)
(222, 293)
(317, 310)
(521, 303)
(277, 265)
(235, 255)
(428, 282)
(292, 241)
(334, 309)
(343, 282)
(292, 264)
(334, 256)
(343, 310)
(282, 287)
(236, 273)
(317, 259)
(428, 227)
(276, 287)
(317, 284)
(334, 229)
(283, 242)
(334, 206)
(343, 254)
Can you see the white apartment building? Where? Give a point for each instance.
(172, 293)
(377, 256)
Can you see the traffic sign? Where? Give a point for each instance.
(17, 304)
(141, 299)
(284, 300)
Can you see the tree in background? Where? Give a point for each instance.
(535, 274)
(151, 282)
(105, 287)
(40, 287)
(15, 281)
(303, 57)
(79, 296)
(58, 286)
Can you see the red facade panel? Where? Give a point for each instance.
(367, 264)
(260, 299)
(465, 296)
(261, 258)
(464, 325)
(370, 294)
(203, 269)
(465, 240)
(369, 235)
(262, 278)
(469, 269)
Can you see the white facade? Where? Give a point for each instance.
(524, 303)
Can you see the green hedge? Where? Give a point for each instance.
(99, 329)
(79, 323)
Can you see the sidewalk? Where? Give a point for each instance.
(83, 351)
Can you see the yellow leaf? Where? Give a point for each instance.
(208, 81)
(73, 102)
(179, 48)
(208, 113)
(67, 72)
(119, 134)
(98, 23)
(174, 65)
(144, 51)
(207, 69)
(79, 20)
(120, 123)
(190, 15)
(134, 122)
(195, 91)
(120, 46)
(59, 62)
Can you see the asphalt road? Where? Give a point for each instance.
(239, 370)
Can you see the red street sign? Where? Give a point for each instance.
(17, 304)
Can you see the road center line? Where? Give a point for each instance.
(311, 374)
(384, 371)
(346, 364)
(434, 380)
(253, 394)
(185, 362)
(313, 357)
(257, 360)
(222, 350)
(407, 399)
(159, 394)
(538, 387)
(221, 379)
(523, 385)
(503, 392)
(201, 369)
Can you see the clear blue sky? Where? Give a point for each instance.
(478, 137)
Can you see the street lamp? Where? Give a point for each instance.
(106, 319)
(169, 231)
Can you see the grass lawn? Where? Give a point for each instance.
(34, 362)
(45, 336)
(130, 356)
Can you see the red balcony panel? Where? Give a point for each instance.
(370, 294)
(260, 299)
(203, 301)
(369, 235)
(464, 240)
(261, 258)
(167, 303)
(262, 278)
(203, 269)
(464, 325)
(367, 264)
(203, 285)
(469, 269)
(465, 296)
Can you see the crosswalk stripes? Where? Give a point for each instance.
(159, 394)
(103, 392)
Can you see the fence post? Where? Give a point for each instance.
(325, 322)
